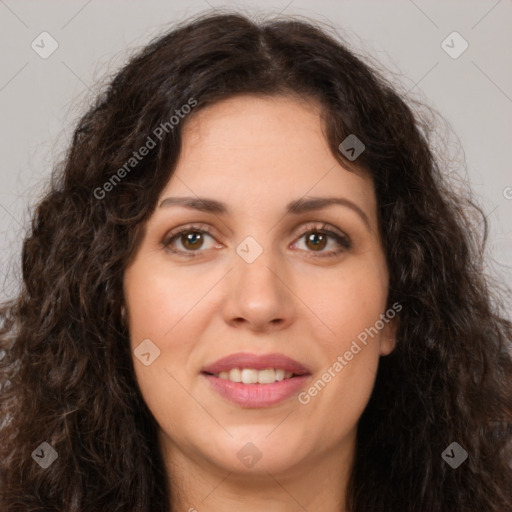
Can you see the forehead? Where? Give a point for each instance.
(248, 148)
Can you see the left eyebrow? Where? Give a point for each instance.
(317, 203)
(296, 207)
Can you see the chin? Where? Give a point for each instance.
(255, 453)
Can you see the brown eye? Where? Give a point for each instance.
(192, 240)
(323, 242)
(316, 241)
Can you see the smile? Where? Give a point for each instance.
(256, 380)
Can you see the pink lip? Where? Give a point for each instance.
(258, 362)
(256, 395)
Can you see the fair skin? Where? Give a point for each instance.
(256, 155)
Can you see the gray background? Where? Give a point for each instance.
(41, 99)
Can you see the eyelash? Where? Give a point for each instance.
(343, 240)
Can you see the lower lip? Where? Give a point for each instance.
(257, 395)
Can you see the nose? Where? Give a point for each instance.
(259, 295)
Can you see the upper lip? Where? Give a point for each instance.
(258, 362)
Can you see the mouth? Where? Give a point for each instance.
(256, 381)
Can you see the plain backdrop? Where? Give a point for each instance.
(42, 98)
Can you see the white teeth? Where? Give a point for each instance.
(266, 376)
(235, 375)
(252, 376)
(249, 376)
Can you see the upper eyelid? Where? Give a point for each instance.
(304, 228)
(188, 227)
(318, 225)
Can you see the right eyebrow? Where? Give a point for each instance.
(202, 204)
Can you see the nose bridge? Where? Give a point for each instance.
(256, 268)
(257, 294)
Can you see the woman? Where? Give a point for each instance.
(249, 285)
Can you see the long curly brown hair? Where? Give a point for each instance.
(66, 371)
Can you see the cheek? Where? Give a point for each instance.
(347, 302)
(157, 301)
(170, 312)
(158, 311)
(350, 304)
(350, 354)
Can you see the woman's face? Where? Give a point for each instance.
(247, 257)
